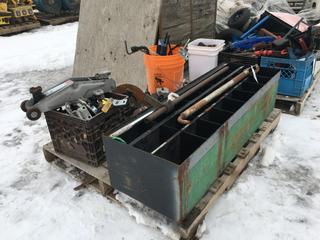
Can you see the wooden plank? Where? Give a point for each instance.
(227, 180)
(101, 173)
(105, 189)
(85, 183)
(18, 28)
(301, 103)
(103, 28)
(287, 98)
(188, 19)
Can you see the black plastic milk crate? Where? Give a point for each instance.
(82, 139)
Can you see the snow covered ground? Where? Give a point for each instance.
(277, 197)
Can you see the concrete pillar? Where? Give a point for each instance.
(103, 28)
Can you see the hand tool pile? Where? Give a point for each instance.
(272, 37)
(82, 98)
(86, 109)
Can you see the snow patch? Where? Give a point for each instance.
(47, 48)
(202, 229)
(148, 217)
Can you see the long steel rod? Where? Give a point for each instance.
(130, 125)
(202, 78)
(183, 118)
(144, 116)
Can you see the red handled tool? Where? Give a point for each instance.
(271, 53)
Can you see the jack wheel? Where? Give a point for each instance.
(33, 114)
(23, 106)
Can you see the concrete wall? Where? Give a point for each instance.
(103, 28)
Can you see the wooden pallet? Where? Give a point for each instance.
(56, 20)
(295, 105)
(18, 28)
(99, 177)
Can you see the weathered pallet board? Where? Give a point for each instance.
(100, 173)
(56, 20)
(18, 28)
(99, 177)
(295, 105)
(188, 19)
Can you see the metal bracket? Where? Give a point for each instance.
(119, 102)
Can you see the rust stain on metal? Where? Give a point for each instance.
(184, 186)
(243, 131)
(261, 106)
(222, 134)
(127, 182)
(267, 100)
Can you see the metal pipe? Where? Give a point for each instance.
(182, 119)
(200, 79)
(130, 125)
(133, 123)
(171, 104)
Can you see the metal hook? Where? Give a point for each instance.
(127, 50)
(135, 49)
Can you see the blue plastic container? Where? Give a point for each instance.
(57, 6)
(296, 74)
(71, 5)
(49, 6)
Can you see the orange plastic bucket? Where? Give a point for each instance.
(164, 71)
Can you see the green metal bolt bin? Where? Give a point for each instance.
(169, 167)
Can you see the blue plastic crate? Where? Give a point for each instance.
(296, 74)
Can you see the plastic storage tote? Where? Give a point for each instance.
(202, 59)
(296, 74)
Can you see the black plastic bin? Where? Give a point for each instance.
(81, 139)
